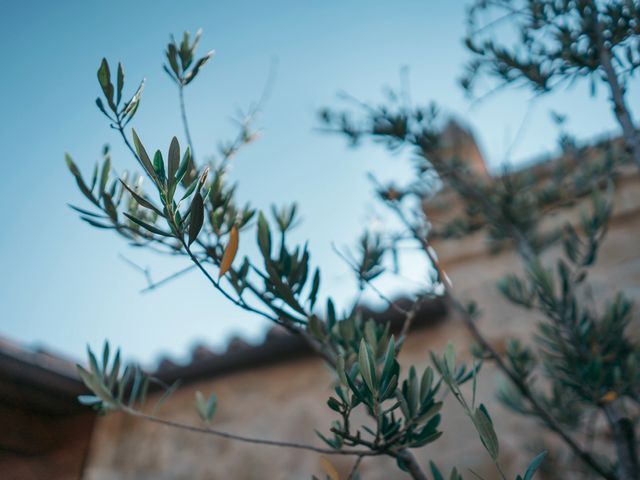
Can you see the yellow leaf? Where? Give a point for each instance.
(329, 468)
(229, 252)
(609, 397)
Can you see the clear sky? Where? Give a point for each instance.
(63, 282)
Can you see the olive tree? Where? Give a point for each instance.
(190, 210)
(583, 363)
(544, 44)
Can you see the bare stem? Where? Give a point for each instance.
(185, 122)
(153, 285)
(241, 438)
(354, 469)
(120, 127)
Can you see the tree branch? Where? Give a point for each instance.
(620, 107)
(241, 438)
(520, 384)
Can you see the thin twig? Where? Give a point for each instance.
(153, 285)
(185, 122)
(617, 91)
(354, 469)
(241, 438)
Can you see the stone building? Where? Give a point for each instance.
(44, 432)
(277, 389)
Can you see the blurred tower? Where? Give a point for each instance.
(458, 142)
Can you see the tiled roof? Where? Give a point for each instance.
(278, 346)
(41, 380)
(50, 381)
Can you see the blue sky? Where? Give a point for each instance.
(64, 283)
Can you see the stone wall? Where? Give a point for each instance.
(258, 401)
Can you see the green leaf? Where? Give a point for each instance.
(196, 68)
(264, 236)
(103, 110)
(115, 371)
(86, 212)
(315, 285)
(334, 404)
(124, 382)
(413, 391)
(357, 392)
(185, 51)
(89, 400)
(143, 157)
(158, 166)
(314, 326)
(120, 83)
(184, 165)
(402, 464)
(426, 383)
(450, 358)
(340, 370)
(167, 393)
(197, 217)
(435, 472)
(93, 383)
(174, 165)
(390, 389)
(484, 426)
(206, 408)
(203, 178)
(132, 105)
(94, 177)
(328, 441)
(190, 189)
(389, 361)
(284, 290)
(76, 173)
(136, 387)
(104, 78)
(331, 314)
(104, 175)
(93, 362)
(146, 226)
(87, 378)
(144, 388)
(105, 358)
(367, 370)
(533, 466)
(141, 200)
(172, 57)
(104, 75)
(430, 412)
(71, 165)
(93, 223)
